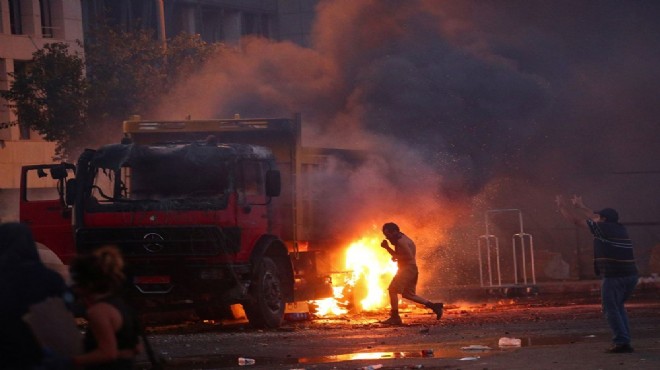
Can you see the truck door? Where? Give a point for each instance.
(42, 206)
(252, 216)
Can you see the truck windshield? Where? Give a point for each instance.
(166, 182)
(175, 173)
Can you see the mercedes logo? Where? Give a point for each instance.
(153, 242)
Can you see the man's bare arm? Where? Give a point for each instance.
(572, 212)
(385, 245)
(578, 204)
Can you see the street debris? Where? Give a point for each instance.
(509, 342)
(469, 358)
(371, 367)
(242, 361)
(476, 347)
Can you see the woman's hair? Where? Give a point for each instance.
(100, 271)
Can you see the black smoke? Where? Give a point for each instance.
(468, 106)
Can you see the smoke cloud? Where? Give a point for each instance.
(464, 107)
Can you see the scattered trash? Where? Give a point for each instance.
(242, 361)
(297, 311)
(427, 352)
(651, 279)
(469, 358)
(371, 367)
(509, 342)
(476, 347)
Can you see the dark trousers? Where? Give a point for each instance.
(615, 291)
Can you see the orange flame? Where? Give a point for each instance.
(368, 261)
(330, 306)
(370, 269)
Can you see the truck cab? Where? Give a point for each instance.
(205, 212)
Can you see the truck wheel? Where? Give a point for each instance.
(266, 306)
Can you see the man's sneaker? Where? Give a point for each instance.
(621, 348)
(393, 320)
(437, 310)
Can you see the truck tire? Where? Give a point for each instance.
(265, 308)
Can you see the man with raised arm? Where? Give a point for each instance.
(613, 261)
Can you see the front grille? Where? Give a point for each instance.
(162, 241)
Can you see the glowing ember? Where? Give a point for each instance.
(370, 270)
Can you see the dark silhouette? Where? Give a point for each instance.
(112, 340)
(24, 281)
(613, 261)
(405, 280)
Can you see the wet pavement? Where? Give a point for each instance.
(556, 331)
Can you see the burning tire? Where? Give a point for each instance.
(266, 305)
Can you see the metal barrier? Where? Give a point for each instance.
(491, 244)
(487, 240)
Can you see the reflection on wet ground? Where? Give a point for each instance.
(454, 350)
(357, 339)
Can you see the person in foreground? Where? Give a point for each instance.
(24, 281)
(613, 260)
(112, 339)
(405, 280)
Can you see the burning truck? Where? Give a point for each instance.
(208, 213)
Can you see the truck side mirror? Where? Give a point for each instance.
(273, 183)
(58, 172)
(70, 195)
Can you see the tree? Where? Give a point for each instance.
(75, 102)
(49, 95)
(129, 71)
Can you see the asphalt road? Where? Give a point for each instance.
(558, 331)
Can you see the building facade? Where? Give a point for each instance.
(215, 20)
(26, 26)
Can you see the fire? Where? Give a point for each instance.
(369, 270)
(368, 261)
(330, 306)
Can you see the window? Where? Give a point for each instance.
(253, 188)
(255, 24)
(253, 181)
(4, 110)
(178, 172)
(211, 24)
(15, 17)
(40, 184)
(46, 19)
(20, 67)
